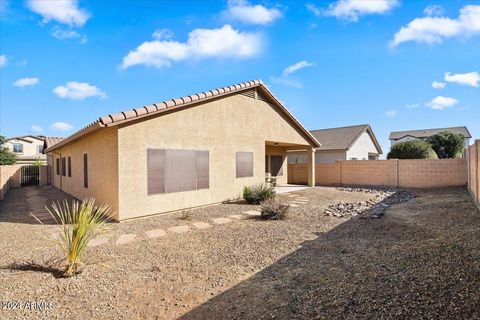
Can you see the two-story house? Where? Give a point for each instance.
(28, 149)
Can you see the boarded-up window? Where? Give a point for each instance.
(276, 165)
(85, 170)
(244, 164)
(203, 171)
(177, 170)
(57, 164)
(156, 171)
(64, 167)
(69, 166)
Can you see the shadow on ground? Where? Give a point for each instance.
(422, 260)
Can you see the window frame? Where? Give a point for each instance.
(16, 144)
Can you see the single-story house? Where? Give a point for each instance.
(28, 149)
(182, 153)
(402, 136)
(343, 143)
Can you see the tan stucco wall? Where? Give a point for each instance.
(102, 151)
(362, 147)
(223, 127)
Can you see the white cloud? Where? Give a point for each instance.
(201, 44)
(26, 82)
(391, 113)
(440, 103)
(431, 30)
(78, 91)
(36, 129)
(467, 79)
(434, 10)
(353, 9)
(243, 11)
(162, 34)
(297, 66)
(438, 85)
(62, 11)
(61, 126)
(3, 60)
(63, 34)
(412, 105)
(314, 9)
(287, 82)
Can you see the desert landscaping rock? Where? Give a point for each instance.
(179, 229)
(97, 242)
(221, 220)
(293, 205)
(155, 233)
(126, 238)
(372, 208)
(201, 225)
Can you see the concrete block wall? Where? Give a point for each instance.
(390, 173)
(473, 157)
(9, 178)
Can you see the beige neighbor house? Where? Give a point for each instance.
(182, 153)
(27, 149)
(402, 136)
(343, 143)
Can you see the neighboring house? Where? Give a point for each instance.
(343, 143)
(27, 149)
(402, 136)
(181, 153)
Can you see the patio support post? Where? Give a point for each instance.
(311, 167)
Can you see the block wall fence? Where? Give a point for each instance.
(473, 168)
(389, 173)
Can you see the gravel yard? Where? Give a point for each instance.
(421, 259)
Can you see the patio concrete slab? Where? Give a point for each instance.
(179, 229)
(290, 188)
(155, 233)
(97, 242)
(221, 220)
(201, 225)
(126, 238)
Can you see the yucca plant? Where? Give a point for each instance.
(79, 222)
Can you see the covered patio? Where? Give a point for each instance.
(276, 168)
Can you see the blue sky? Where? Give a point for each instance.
(333, 63)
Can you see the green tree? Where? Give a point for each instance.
(416, 149)
(6, 156)
(447, 145)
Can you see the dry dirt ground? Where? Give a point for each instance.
(421, 260)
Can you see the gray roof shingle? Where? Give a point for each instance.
(342, 138)
(425, 133)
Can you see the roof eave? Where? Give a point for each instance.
(87, 130)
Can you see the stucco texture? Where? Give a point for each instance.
(102, 150)
(223, 127)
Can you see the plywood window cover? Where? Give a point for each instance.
(174, 179)
(244, 163)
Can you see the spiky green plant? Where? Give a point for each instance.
(79, 222)
(258, 193)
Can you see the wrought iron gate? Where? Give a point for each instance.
(30, 176)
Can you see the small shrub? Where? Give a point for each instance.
(185, 215)
(79, 222)
(415, 149)
(258, 193)
(273, 209)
